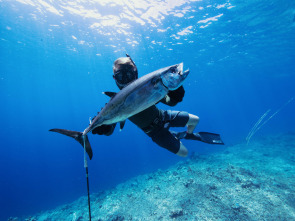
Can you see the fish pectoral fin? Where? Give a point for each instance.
(110, 94)
(122, 123)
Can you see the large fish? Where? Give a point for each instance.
(132, 99)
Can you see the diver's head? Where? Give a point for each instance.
(125, 71)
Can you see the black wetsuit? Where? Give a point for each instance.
(156, 123)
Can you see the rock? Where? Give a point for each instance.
(176, 214)
(116, 218)
(251, 184)
(13, 219)
(31, 219)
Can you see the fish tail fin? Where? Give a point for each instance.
(78, 136)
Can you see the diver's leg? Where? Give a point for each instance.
(183, 152)
(180, 119)
(165, 139)
(192, 123)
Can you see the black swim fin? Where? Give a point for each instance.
(205, 137)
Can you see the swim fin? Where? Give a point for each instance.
(205, 137)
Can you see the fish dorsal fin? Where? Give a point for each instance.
(110, 94)
(122, 123)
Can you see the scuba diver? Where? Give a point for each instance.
(155, 122)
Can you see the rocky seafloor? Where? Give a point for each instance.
(243, 182)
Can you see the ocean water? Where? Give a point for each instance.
(56, 58)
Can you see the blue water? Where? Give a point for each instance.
(56, 58)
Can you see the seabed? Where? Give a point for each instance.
(243, 182)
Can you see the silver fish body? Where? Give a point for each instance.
(132, 99)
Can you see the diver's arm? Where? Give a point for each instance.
(104, 129)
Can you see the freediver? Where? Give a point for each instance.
(156, 122)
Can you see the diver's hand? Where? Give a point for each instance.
(177, 95)
(104, 129)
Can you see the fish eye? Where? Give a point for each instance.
(173, 70)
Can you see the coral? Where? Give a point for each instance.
(254, 182)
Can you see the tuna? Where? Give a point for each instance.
(132, 99)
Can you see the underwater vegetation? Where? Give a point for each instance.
(264, 119)
(241, 182)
